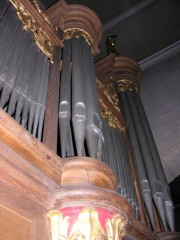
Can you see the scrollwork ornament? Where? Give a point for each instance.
(77, 32)
(110, 92)
(111, 119)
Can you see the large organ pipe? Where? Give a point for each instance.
(78, 96)
(65, 98)
(93, 131)
(141, 172)
(157, 162)
(156, 187)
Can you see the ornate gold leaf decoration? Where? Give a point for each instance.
(77, 32)
(86, 227)
(126, 84)
(111, 94)
(30, 24)
(43, 14)
(106, 112)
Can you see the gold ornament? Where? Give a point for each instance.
(86, 227)
(30, 24)
(126, 84)
(77, 32)
(105, 111)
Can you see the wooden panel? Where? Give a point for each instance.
(29, 148)
(14, 226)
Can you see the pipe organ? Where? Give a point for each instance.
(108, 181)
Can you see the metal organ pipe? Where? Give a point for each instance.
(78, 96)
(156, 187)
(157, 163)
(116, 157)
(93, 131)
(141, 172)
(65, 97)
(23, 73)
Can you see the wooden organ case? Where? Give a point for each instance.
(100, 186)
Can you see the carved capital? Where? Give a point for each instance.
(84, 222)
(124, 71)
(77, 20)
(127, 74)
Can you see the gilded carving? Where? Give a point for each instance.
(77, 32)
(126, 84)
(110, 92)
(43, 14)
(30, 24)
(86, 226)
(107, 114)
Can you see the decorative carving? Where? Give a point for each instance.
(86, 223)
(77, 32)
(41, 37)
(105, 111)
(46, 18)
(110, 92)
(126, 84)
(111, 45)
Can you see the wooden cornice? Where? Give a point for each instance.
(69, 17)
(118, 68)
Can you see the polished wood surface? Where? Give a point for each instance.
(85, 171)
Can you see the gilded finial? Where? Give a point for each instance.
(111, 40)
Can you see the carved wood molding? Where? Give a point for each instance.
(109, 103)
(87, 171)
(124, 71)
(81, 18)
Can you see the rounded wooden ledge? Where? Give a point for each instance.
(86, 171)
(92, 196)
